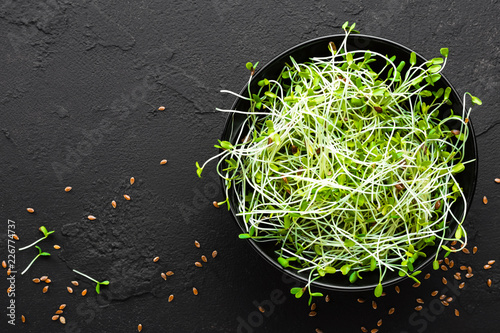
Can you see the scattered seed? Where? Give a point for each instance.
(491, 262)
(132, 180)
(23, 319)
(379, 323)
(68, 188)
(374, 330)
(465, 250)
(75, 283)
(204, 258)
(214, 254)
(15, 237)
(469, 269)
(161, 108)
(327, 298)
(30, 210)
(319, 331)
(4, 264)
(70, 290)
(457, 276)
(418, 308)
(164, 276)
(45, 289)
(84, 292)
(55, 317)
(488, 282)
(361, 300)
(363, 329)
(434, 293)
(62, 306)
(139, 327)
(463, 268)
(444, 280)
(445, 303)
(9, 290)
(91, 217)
(427, 276)
(374, 305)
(48, 281)
(453, 248)
(452, 263)
(453, 243)
(391, 311)
(198, 264)
(36, 280)
(383, 294)
(216, 205)
(469, 275)
(420, 301)
(57, 247)
(113, 203)
(312, 314)
(313, 307)
(9, 271)
(449, 299)
(195, 292)
(62, 320)
(397, 289)
(261, 309)
(457, 313)
(447, 261)
(485, 200)
(442, 297)
(474, 250)
(416, 285)
(497, 180)
(163, 162)
(43, 278)
(440, 261)
(486, 266)
(170, 298)
(59, 312)
(170, 273)
(127, 197)
(444, 268)
(461, 285)
(155, 259)
(197, 244)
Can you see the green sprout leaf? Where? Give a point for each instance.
(378, 290)
(444, 52)
(244, 236)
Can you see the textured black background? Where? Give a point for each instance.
(80, 83)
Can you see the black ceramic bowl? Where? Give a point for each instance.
(317, 48)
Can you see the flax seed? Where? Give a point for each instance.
(465, 250)
(23, 319)
(474, 250)
(132, 180)
(440, 261)
(312, 314)
(127, 197)
(442, 297)
(453, 243)
(62, 306)
(170, 273)
(15, 237)
(45, 289)
(461, 285)
(43, 278)
(486, 266)
(214, 254)
(364, 330)
(449, 299)
(418, 308)
(452, 263)
(391, 311)
(445, 303)
(434, 293)
(204, 259)
(457, 313)
(164, 276)
(374, 305)
(59, 312)
(139, 327)
(30, 210)
(68, 188)
(457, 276)
(261, 309)
(70, 290)
(455, 132)
(491, 262)
(444, 280)
(319, 331)
(420, 301)
(485, 200)
(161, 108)
(313, 307)
(170, 298)
(463, 268)
(216, 204)
(469, 269)
(75, 283)
(397, 289)
(447, 261)
(374, 330)
(327, 298)
(195, 292)
(361, 300)
(4, 264)
(383, 294)
(113, 203)
(416, 285)
(444, 268)
(198, 264)
(62, 320)
(84, 292)
(57, 247)
(9, 290)
(427, 276)
(497, 180)
(9, 271)
(469, 275)
(197, 244)
(155, 259)
(379, 323)
(55, 317)
(488, 282)
(36, 280)
(163, 162)
(48, 281)
(91, 217)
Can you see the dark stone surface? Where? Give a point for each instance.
(80, 85)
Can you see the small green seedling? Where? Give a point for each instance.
(45, 235)
(40, 253)
(98, 286)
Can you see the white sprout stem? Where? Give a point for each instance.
(26, 247)
(85, 275)
(31, 263)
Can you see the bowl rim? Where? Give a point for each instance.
(319, 283)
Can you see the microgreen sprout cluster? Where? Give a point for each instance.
(40, 253)
(46, 234)
(349, 169)
(98, 284)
